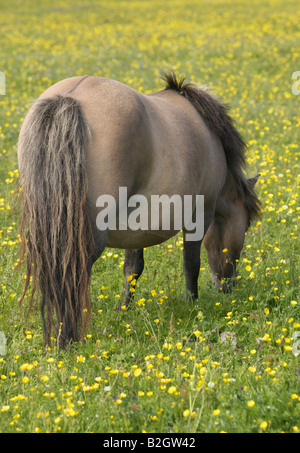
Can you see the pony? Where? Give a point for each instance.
(88, 136)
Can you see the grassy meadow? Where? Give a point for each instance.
(230, 362)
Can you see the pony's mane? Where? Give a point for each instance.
(215, 114)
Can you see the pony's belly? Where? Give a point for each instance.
(129, 239)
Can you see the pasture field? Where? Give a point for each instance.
(229, 363)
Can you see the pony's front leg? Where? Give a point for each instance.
(133, 268)
(191, 267)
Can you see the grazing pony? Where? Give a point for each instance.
(89, 136)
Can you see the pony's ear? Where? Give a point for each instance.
(253, 181)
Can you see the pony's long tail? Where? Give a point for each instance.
(56, 233)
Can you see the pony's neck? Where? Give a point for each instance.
(229, 195)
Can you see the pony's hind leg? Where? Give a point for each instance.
(191, 267)
(133, 268)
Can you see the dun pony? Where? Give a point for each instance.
(88, 136)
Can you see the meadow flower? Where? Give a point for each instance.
(4, 408)
(70, 412)
(197, 333)
(264, 425)
(215, 364)
(80, 359)
(26, 366)
(137, 372)
(172, 389)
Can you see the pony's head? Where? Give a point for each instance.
(225, 237)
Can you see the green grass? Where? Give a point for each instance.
(163, 366)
